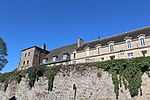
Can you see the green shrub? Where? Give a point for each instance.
(98, 74)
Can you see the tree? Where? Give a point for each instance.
(3, 54)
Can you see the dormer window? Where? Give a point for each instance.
(142, 42)
(65, 56)
(111, 48)
(129, 44)
(141, 38)
(45, 60)
(98, 47)
(54, 58)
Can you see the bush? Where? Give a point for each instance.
(98, 74)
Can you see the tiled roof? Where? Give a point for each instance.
(117, 38)
(59, 52)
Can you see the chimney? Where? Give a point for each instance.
(44, 46)
(80, 42)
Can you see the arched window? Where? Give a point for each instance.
(74, 55)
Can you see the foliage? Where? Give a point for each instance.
(33, 74)
(3, 53)
(6, 78)
(38, 71)
(50, 73)
(130, 70)
(126, 71)
(98, 74)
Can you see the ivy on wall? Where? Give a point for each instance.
(127, 71)
(124, 71)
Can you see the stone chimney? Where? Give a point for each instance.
(80, 42)
(44, 46)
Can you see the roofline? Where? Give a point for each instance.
(63, 46)
(35, 47)
(118, 34)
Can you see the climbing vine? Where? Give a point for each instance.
(127, 72)
(35, 72)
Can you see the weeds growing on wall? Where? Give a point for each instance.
(127, 72)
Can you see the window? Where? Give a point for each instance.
(112, 57)
(29, 54)
(144, 53)
(129, 44)
(54, 58)
(45, 60)
(27, 62)
(24, 63)
(142, 42)
(130, 55)
(74, 55)
(87, 60)
(98, 50)
(111, 48)
(102, 58)
(74, 62)
(65, 56)
(25, 55)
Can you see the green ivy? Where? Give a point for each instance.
(38, 71)
(126, 71)
(33, 74)
(130, 70)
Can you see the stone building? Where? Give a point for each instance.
(60, 55)
(32, 56)
(130, 44)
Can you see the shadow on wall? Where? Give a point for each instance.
(13, 98)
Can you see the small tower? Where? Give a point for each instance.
(44, 46)
(32, 56)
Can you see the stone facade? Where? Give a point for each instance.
(88, 87)
(32, 56)
(128, 47)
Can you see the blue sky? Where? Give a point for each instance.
(25, 23)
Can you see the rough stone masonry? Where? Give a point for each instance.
(69, 85)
